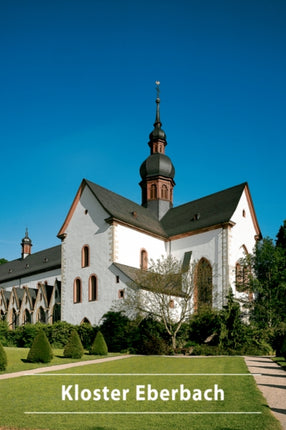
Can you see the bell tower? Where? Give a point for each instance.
(26, 245)
(157, 171)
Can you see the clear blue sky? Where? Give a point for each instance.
(78, 101)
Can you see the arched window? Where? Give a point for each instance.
(77, 291)
(164, 192)
(41, 315)
(85, 256)
(85, 321)
(57, 312)
(92, 288)
(203, 285)
(153, 192)
(15, 319)
(27, 317)
(242, 274)
(143, 259)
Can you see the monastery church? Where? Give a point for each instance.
(106, 238)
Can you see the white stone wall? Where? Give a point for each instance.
(129, 243)
(88, 228)
(205, 245)
(242, 236)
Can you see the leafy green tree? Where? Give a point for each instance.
(99, 346)
(232, 330)
(3, 358)
(3, 260)
(269, 282)
(41, 351)
(73, 348)
(164, 293)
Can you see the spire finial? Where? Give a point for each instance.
(158, 89)
(27, 233)
(157, 121)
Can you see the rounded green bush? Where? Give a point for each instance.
(73, 348)
(41, 351)
(99, 346)
(3, 358)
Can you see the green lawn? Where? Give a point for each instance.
(16, 358)
(44, 394)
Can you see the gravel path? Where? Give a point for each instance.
(61, 367)
(272, 383)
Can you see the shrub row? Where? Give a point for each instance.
(208, 333)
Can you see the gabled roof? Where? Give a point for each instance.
(39, 262)
(205, 213)
(119, 208)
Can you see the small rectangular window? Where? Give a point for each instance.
(121, 294)
(117, 279)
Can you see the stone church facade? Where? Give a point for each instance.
(106, 238)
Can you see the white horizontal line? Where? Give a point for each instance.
(142, 413)
(141, 374)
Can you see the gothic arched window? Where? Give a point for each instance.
(203, 285)
(85, 256)
(77, 291)
(92, 288)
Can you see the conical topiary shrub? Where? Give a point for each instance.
(41, 351)
(73, 348)
(3, 358)
(99, 346)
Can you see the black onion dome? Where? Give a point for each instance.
(157, 165)
(157, 133)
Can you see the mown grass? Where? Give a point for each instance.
(44, 394)
(16, 358)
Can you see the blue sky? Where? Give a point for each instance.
(78, 101)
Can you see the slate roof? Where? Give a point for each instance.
(40, 262)
(205, 212)
(126, 210)
(212, 210)
(132, 273)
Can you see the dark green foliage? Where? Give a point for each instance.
(204, 324)
(41, 351)
(232, 330)
(152, 338)
(86, 333)
(269, 282)
(283, 348)
(99, 346)
(4, 332)
(73, 348)
(117, 331)
(25, 334)
(59, 333)
(3, 358)
(277, 339)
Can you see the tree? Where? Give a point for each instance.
(268, 281)
(3, 358)
(73, 348)
(3, 261)
(99, 346)
(41, 351)
(164, 293)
